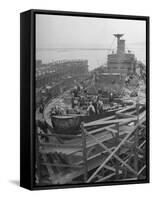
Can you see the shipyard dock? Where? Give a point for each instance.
(74, 145)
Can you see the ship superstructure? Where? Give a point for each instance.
(121, 61)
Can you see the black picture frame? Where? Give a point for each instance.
(27, 98)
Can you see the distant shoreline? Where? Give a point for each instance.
(73, 49)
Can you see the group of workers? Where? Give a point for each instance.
(80, 99)
(82, 102)
(95, 107)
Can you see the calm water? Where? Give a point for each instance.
(95, 57)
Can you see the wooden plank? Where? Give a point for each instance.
(101, 122)
(43, 144)
(111, 130)
(126, 109)
(124, 115)
(60, 135)
(121, 121)
(61, 165)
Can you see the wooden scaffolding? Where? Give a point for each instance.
(109, 149)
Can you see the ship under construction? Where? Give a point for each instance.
(91, 126)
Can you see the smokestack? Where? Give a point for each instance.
(121, 47)
(120, 44)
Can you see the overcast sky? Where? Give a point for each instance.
(66, 31)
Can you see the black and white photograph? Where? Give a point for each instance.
(90, 100)
(76, 102)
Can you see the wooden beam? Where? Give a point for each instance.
(60, 145)
(113, 154)
(111, 130)
(61, 165)
(60, 135)
(106, 177)
(84, 151)
(101, 122)
(142, 169)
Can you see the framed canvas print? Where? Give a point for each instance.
(84, 99)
